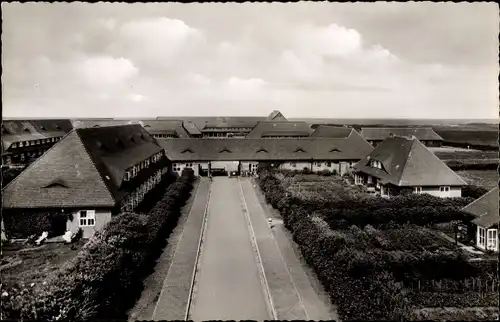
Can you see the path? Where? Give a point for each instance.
(295, 295)
(229, 285)
(175, 294)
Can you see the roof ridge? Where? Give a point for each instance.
(91, 157)
(37, 160)
(406, 161)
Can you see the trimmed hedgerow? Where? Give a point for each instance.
(105, 278)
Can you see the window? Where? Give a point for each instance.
(417, 189)
(127, 176)
(14, 145)
(482, 237)
(328, 164)
(87, 218)
(27, 130)
(444, 189)
(293, 164)
(492, 239)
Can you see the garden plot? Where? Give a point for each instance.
(379, 249)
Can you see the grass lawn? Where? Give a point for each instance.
(457, 314)
(26, 264)
(463, 154)
(483, 178)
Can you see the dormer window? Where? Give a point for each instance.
(225, 150)
(57, 183)
(57, 127)
(187, 151)
(334, 150)
(376, 164)
(147, 125)
(43, 128)
(27, 130)
(262, 150)
(299, 150)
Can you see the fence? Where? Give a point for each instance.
(476, 284)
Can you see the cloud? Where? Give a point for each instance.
(98, 71)
(159, 40)
(249, 84)
(136, 98)
(109, 23)
(330, 40)
(197, 79)
(306, 59)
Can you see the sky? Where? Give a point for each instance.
(306, 59)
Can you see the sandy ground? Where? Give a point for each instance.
(228, 284)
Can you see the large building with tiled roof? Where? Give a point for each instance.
(280, 129)
(91, 174)
(244, 155)
(401, 165)
(425, 135)
(326, 131)
(25, 140)
(485, 209)
(159, 129)
(225, 126)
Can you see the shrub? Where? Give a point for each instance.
(105, 277)
(23, 224)
(9, 174)
(472, 191)
(327, 173)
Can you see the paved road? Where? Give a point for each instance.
(228, 285)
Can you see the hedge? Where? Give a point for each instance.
(472, 191)
(23, 224)
(365, 280)
(105, 278)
